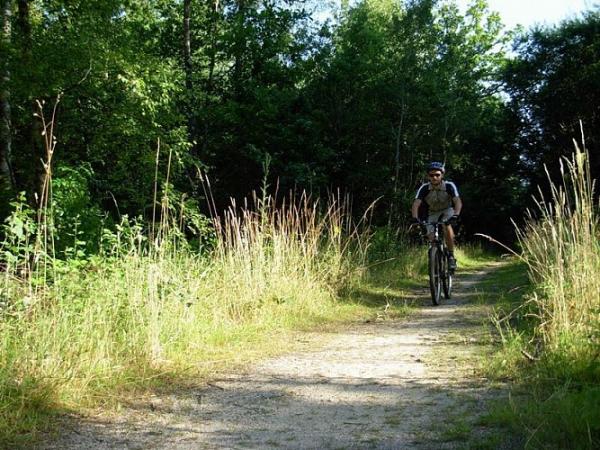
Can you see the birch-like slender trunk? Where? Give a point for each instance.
(189, 77)
(238, 63)
(211, 72)
(6, 176)
(33, 180)
(394, 205)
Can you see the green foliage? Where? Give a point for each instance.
(19, 232)
(408, 82)
(126, 236)
(563, 417)
(117, 96)
(553, 83)
(359, 102)
(77, 221)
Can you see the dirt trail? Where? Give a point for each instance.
(383, 385)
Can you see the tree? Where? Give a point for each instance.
(189, 83)
(406, 83)
(554, 86)
(249, 77)
(6, 176)
(117, 94)
(359, 104)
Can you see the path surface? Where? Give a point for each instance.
(384, 385)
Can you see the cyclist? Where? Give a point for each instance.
(442, 202)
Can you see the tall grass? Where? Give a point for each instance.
(290, 242)
(552, 344)
(561, 246)
(76, 332)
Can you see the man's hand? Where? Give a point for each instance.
(453, 220)
(416, 221)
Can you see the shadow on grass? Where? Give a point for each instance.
(37, 409)
(377, 297)
(555, 395)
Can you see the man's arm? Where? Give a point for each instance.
(457, 205)
(415, 208)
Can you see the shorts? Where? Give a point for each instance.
(438, 216)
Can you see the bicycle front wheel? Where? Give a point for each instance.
(435, 279)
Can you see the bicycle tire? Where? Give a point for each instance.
(435, 281)
(446, 276)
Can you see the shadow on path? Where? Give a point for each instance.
(381, 385)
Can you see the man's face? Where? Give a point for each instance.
(435, 177)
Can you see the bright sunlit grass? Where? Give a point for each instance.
(76, 333)
(561, 247)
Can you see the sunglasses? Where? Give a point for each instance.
(434, 175)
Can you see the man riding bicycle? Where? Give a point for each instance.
(442, 203)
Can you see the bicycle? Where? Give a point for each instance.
(440, 275)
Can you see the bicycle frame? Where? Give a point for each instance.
(440, 277)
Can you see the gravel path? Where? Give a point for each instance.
(384, 385)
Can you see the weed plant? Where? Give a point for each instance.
(80, 330)
(562, 249)
(552, 341)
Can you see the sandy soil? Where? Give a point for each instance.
(385, 385)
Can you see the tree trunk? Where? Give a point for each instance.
(189, 73)
(445, 141)
(6, 176)
(396, 168)
(34, 174)
(211, 73)
(24, 24)
(397, 156)
(239, 49)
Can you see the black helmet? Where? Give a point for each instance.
(435, 165)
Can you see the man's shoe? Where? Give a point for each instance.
(451, 263)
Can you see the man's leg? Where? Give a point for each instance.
(449, 234)
(449, 238)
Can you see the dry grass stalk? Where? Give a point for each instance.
(561, 246)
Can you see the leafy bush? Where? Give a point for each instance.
(77, 221)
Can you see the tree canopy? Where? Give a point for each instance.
(248, 91)
(554, 88)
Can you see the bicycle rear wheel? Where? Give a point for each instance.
(446, 276)
(435, 279)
